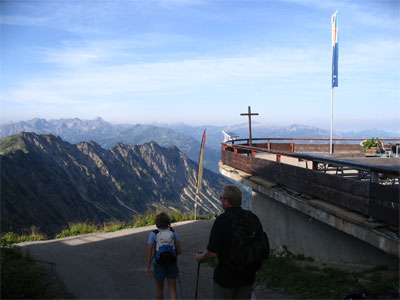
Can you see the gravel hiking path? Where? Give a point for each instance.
(112, 265)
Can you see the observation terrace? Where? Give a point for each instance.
(297, 181)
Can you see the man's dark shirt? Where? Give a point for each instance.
(219, 242)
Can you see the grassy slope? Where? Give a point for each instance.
(12, 143)
(294, 277)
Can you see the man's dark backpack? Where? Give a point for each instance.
(165, 247)
(249, 244)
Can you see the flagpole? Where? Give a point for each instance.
(195, 206)
(200, 172)
(331, 142)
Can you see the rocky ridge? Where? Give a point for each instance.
(107, 135)
(48, 183)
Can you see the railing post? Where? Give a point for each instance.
(292, 146)
(374, 177)
(269, 144)
(278, 158)
(314, 165)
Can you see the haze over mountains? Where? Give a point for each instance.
(186, 137)
(48, 183)
(214, 136)
(107, 135)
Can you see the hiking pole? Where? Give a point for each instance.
(197, 281)
(179, 278)
(180, 285)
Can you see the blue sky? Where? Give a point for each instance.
(201, 62)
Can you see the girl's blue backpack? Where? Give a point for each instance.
(165, 247)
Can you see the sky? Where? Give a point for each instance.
(201, 61)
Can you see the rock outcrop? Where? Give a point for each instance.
(48, 183)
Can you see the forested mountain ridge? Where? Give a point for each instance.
(48, 183)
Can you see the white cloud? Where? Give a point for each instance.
(71, 58)
(84, 77)
(71, 53)
(78, 83)
(147, 52)
(74, 16)
(371, 13)
(379, 56)
(23, 20)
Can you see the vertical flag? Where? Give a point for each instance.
(335, 59)
(335, 50)
(200, 173)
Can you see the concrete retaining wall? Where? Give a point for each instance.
(305, 235)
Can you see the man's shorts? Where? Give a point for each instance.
(160, 272)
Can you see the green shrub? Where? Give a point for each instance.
(114, 226)
(286, 274)
(9, 238)
(379, 285)
(33, 234)
(21, 277)
(373, 142)
(77, 229)
(80, 228)
(150, 218)
(146, 220)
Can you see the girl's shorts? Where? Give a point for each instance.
(160, 272)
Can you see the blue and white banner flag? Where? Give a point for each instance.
(335, 50)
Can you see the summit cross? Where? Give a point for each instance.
(249, 114)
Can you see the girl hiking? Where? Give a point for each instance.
(165, 245)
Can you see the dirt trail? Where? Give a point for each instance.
(112, 265)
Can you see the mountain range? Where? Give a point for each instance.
(186, 137)
(214, 136)
(107, 135)
(48, 183)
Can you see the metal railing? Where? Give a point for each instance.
(371, 189)
(327, 164)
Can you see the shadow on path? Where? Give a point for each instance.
(112, 265)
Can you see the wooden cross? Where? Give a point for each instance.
(249, 114)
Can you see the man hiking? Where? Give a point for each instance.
(233, 233)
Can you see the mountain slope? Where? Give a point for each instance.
(107, 135)
(47, 182)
